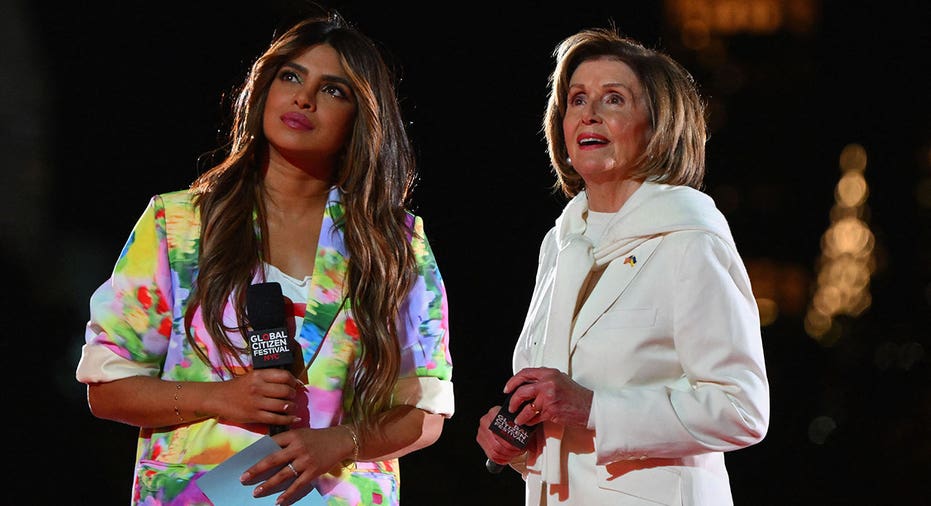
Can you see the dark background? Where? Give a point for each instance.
(107, 103)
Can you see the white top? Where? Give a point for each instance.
(295, 289)
(595, 225)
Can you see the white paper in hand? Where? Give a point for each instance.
(221, 484)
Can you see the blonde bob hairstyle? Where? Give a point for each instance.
(675, 153)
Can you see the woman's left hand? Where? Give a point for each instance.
(551, 396)
(304, 455)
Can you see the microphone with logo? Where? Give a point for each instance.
(503, 425)
(268, 333)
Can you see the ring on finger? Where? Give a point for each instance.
(535, 409)
(291, 467)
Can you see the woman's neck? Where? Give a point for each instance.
(609, 197)
(295, 203)
(290, 191)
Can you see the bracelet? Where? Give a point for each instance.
(355, 442)
(177, 393)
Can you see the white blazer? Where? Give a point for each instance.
(669, 341)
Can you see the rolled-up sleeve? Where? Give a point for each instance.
(130, 314)
(426, 362)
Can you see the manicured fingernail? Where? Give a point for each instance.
(244, 477)
(257, 491)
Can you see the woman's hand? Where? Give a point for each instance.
(496, 449)
(551, 395)
(263, 396)
(304, 455)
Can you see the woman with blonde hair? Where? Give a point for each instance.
(640, 361)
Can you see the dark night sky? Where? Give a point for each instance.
(105, 105)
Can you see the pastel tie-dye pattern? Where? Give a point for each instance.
(138, 314)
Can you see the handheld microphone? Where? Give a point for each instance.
(268, 336)
(503, 425)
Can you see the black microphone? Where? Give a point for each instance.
(268, 336)
(503, 425)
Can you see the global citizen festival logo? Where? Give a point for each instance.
(270, 347)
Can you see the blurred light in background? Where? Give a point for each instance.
(731, 39)
(699, 21)
(779, 288)
(842, 285)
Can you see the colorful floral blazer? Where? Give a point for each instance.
(136, 327)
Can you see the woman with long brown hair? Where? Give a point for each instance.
(311, 196)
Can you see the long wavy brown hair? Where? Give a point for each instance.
(376, 176)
